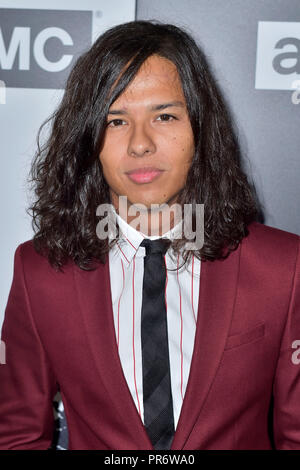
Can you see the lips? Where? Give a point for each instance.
(144, 175)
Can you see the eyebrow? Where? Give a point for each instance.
(156, 107)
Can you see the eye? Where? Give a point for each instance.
(116, 123)
(166, 117)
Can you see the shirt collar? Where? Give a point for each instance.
(128, 243)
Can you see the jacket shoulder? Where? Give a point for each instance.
(35, 262)
(274, 237)
(271, 244)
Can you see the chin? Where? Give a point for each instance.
(149, 203)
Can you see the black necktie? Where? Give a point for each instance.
(157, 394)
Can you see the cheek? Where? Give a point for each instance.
(109, 164)
(183, 167)
(184, 156)
(105, 167)
(108, 153)
(185, 145)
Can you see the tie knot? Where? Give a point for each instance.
(156, 246)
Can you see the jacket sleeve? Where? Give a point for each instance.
(27, 382)
(286, 388)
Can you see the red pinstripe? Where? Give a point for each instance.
(130, 243)
(133, 338)
(122, 253)
(119, 303)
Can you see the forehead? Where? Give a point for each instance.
(156, 77)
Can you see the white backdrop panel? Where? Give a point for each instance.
(23, 109)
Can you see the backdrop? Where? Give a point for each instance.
(253, 47)
(39, 43)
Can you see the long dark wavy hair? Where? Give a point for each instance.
(66, 173)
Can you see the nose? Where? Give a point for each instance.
(140, 142)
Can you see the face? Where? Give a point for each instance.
(149, 145)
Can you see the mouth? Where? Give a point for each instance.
(144, 175)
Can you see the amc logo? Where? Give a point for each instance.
(39, 47)
(278, 55)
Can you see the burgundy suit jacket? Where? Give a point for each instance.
(59, 329)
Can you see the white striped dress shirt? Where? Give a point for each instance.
(126, 260)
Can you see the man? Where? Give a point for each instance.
(152, 346)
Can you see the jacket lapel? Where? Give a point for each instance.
(94, 292)
(218, 286)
